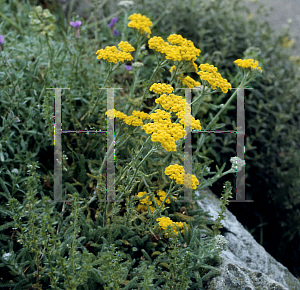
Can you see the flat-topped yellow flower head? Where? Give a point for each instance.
(141, 23)
(161, 88)
(125, 46)
(112, 54)
(248, 63)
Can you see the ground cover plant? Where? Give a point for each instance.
(73, 239)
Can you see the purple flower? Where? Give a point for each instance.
(75, 24)
(112, 22)
(128, 67)
(116, 32)
(1, 39)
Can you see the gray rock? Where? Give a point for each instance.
(245, 264)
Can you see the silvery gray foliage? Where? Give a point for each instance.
(237, 163)
(6, 256)
(125, 4)
(137, 64)
(220, 243)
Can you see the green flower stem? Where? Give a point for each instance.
(136, 77)
(139, 45)
(211, 123)
(159, 208)
(69, 14)
(124, 26)
(232, 170)
(154, 109)
(111, 146)
(138, 50)
(130, 98)
(216, 117)
(170, 188)
(106, 80)
(201, 98)
(135, 159)
(159, 66)
(119, 145)
(171, 82)
(180, 190)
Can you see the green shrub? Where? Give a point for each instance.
(225, 31)
(81, 242)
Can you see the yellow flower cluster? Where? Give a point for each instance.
(135, 120)
(140, 22)
(248, 63)
(112, 54)
(166, 222)
(189, 82)
(178, 104)
(143, 202)
(163, 221)
(171, 102)
(164, 131)
(186, 51)
(114, 113)
(195, 125)
(177, 172)
(125, 46)
(158, 44)
(161, 88)
(209, 74)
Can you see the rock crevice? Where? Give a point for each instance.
(245, 264)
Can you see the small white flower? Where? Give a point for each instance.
(137, 64)
(125, 4)
(15, 171)
(237, 163)
(220, 243)
(143, 47)
(6, 256)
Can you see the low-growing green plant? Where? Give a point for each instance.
(66, 246)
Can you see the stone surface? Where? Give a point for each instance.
(245, 264)
(281, 13)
